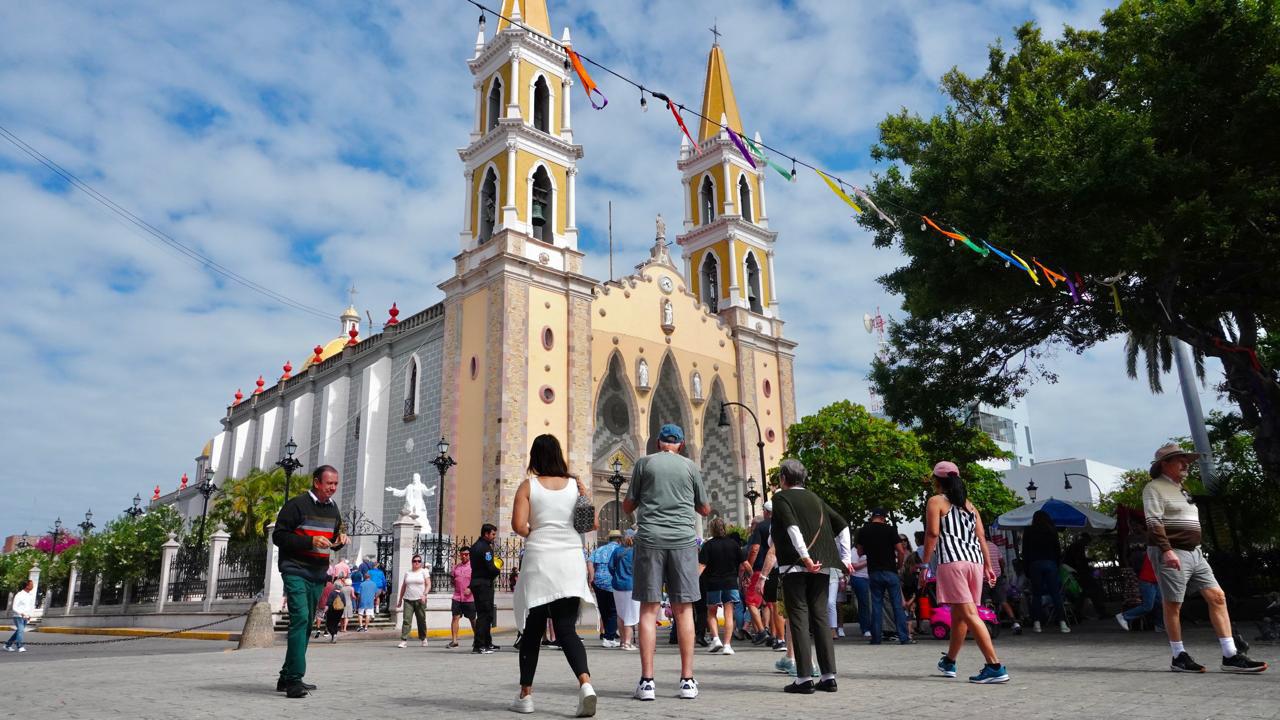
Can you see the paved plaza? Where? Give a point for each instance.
(1098, 672)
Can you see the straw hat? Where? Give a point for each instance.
(1170, 451)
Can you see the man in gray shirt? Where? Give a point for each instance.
(665, 493)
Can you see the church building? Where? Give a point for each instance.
(524, 342)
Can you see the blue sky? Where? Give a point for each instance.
(310, 146)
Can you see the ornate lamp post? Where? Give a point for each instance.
(443, 462)
(135, 511)
(1031, 490)
(724, 422)
(56, 532)
(22, 542)
(1066, 481)
(87, 525)
(616, 480)
(752, 495)
(206, 488)
(290, 464)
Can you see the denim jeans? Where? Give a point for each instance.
(1150, 593)
(1045, 580)
(862, 590)
(19, 629)
(608, 613)
(887, 582)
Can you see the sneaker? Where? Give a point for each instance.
(22, 649)
(453, 644)
(780, 646)
(1036, 627)
(867, 634)
(728, 650)
(402, 644)
(1240, 663)
(800, 688)
(424, 642)
(785, 665)
(645, 690)
(487, 651)
(586, 701)
(295, 691)
(522, 705)
(1017, 629)
(333, 639)
(839, 632)
(716, 646)
(990, 675)
(9, 648)
(688, 688)
(477, 651)
(760, 638)
(947, 667)
(1123, 623)
(1184, 663)
(1062, 627)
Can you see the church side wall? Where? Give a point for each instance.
(333, 435)
(411, 443)
(352, 414)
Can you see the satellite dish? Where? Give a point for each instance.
(868, 322)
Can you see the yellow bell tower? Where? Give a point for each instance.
(517, 309)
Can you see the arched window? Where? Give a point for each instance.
(541, 105)
(495, 105)
(411, 389)
(488, 204)
(744, 198)
(707, 196)
(753, 283)
(541, 213)
(711, 282)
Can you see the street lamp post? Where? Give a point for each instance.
(87, 525)
(290, 464)
(616, 480)
(1066, 481)
(136, 510)
(443, 462)
(23, 544)
(724, 422)
(56, 532)
(206, 488)
(752, 495)
(1031, 490)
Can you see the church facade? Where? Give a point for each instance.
(525, 343)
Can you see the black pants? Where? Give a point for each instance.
(608, 613)
(805, 594)
(563, 614)
(485, 612)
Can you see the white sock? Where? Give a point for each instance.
(1228, 646)
(798, 681)
(828, 676)
(1176, 646)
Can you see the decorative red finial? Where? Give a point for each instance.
(353, 332)
(319, 358)
(156, 496)
(183, 485)
(288, 368)
(239, 397)
(260, 383)
(393, 312)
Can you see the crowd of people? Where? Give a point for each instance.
(781, 587)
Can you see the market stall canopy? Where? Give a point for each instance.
(1065, 515)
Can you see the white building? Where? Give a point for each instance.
(1067, 479)
(1010, 428)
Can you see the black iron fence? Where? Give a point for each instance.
(441, 553)
(59, 591)
(112, 592)
(84, 590)
(242, 571)
(146, 589)
(188, 575)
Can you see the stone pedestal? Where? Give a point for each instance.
(34, 576)
(403, 530)
(168, 551)
(217, 548)
(259, 627)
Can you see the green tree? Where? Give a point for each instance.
(245, 506)
(1129, 494)
(1146, 152)
(856, 461)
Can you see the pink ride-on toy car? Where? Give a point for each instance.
(940, 621)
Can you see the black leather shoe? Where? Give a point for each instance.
(804, 688)
(282, 685)
(297, 690)
(828, 685)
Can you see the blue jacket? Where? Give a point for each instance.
(620, 568)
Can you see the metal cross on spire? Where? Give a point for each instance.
(352, 292)
(716, 33)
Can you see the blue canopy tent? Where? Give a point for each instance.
(1065, 515)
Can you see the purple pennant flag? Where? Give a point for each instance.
(741, 148)
(1075, 294)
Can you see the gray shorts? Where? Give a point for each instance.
(1194, 575)
(677, 569)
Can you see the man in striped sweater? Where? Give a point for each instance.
(307, 528)
(1173, 544)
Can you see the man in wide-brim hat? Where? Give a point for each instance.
(1173, 544)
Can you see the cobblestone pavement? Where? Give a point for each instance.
(1098, 673)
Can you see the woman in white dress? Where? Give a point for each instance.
(553, 579)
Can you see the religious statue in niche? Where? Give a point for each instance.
(668, 314)
(642, 374)
(415, 496)
(697, 385)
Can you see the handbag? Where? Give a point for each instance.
(584, 512)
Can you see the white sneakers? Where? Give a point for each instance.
(607, 643)
(728, 650)
(522, 705)
(402, 644)
(716, 646)
(688, 688)
(645, 690)
(424, 642)
(1036, 627)
(586, 701)
(1120, 619)
(1062, 626)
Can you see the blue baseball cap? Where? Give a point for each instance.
(671, 433)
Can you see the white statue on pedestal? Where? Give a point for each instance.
(415, 496)
(642, 374)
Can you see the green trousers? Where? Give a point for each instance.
(302, 596)
(414, 609)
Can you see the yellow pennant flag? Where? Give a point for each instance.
(1034, 278)
(838, 191)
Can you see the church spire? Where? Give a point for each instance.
(717, 97)
(532, 13)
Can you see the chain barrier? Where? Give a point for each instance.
(74, 643)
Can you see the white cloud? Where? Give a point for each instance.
(338, 128)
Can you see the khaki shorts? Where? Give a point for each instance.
(1194, 575)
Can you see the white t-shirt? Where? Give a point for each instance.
(858, 558)
(415, 584)
(24, 603)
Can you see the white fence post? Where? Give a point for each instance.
(168, 551)
(273, 583)
(34, 576)
(217, 548)
(404, 529)
(71, 588)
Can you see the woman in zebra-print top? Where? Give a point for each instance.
(954, 528)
